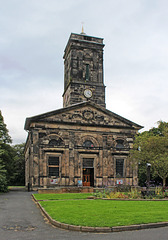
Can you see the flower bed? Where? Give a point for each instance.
(156, 193)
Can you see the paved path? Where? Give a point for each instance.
(21, 219)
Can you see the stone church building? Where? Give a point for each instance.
(83, 143)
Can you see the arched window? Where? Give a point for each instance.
(56, 142)
(120, 144)
(88, 144)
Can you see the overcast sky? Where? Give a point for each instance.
(33, 36)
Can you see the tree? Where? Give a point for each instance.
(152, 147)
(3, 182)
(12, 167)
(161, 130)
(5, 156)
(18, 177)
(4, 133)
(2, 170)
(160, 166)
(8, 161)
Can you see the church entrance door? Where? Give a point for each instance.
(88, 177)
(88, 172)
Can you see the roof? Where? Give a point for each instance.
(79, 106)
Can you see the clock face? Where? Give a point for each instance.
(88, 93)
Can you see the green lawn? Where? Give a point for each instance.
(16, 187)
(62, 196)
(76, 210)
(101, 213)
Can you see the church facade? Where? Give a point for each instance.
(83, 143)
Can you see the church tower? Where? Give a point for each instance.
(83, 70)
(83, 143)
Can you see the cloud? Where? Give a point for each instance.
(33, 35)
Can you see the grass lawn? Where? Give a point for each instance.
(101, 213)
(62, 196)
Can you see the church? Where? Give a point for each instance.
(83, 143)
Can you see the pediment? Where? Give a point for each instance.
(85, 114)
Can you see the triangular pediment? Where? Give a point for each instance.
(86, 113)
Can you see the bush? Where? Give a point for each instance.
(3, 184)
(134, 194)
(119, 195)
(123, 188)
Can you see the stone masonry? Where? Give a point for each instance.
(83, 143)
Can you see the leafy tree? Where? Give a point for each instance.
(8, 160)
(18, 177)
(11, 158)
(4, 133)
(2, 166)
(152, 147)
(5, 139)
(3, 182)
(161, 130)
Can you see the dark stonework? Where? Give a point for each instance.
(83, 69)
(83, 141)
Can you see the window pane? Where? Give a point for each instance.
(88, 144)
(54, 171)
(53, 161)
(119, 167)
(56, 142)
(120, 144)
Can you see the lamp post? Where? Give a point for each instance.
(148, 166)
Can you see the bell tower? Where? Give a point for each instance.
(83, 70)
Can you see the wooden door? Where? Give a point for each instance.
(86, 179)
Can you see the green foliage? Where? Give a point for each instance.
(13, 161)
(161, 130)
(159, 193)
(3, 181)
(18, 177)
(2, 169)
(4, 135)
(5, 139)
(134, 194)
(117, 195)
(11, 157)
(7, 159)
(3, 184)
(97, 194)
(152, 147)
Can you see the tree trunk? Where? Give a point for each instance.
(164, 182)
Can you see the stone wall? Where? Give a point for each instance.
(83, 68)
(71, 153)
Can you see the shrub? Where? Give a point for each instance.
(119, 195)
(123, 188)
(3, 184)
(134, 194)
